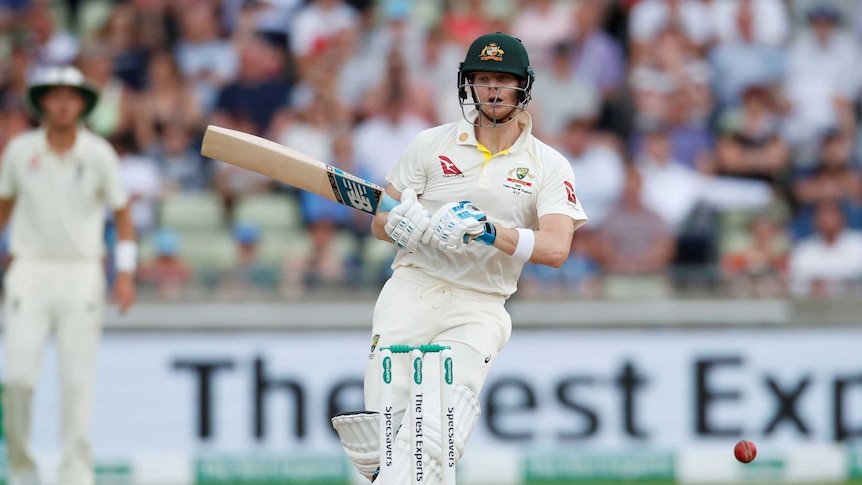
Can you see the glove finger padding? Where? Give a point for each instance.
(407, 222)
(430, 237)
(454, 225)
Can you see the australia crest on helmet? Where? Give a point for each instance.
(491, 52)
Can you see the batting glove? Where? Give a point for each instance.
(456, 224)
(407, 221)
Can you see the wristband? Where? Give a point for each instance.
(526, 242)
(126, 256)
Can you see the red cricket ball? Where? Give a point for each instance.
(745, 451)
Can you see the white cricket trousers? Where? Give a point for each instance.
(415, 309)
(68, 298)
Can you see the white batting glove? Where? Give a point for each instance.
(407, 222)
(454, 225)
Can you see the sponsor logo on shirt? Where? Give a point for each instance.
(520, 180)
(570, 192)
(449, 167)
(35, 163)
(521, 175)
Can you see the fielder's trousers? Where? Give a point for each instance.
(68, 299)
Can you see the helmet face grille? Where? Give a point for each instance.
(471, 101)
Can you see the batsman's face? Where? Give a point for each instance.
(497, 92)
(63, 106)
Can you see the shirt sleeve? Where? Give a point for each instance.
(115, 194)
(557, 195)
(8, 184)
(410, 170)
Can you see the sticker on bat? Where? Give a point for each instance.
(352, 191)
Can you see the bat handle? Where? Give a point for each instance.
(387, 203)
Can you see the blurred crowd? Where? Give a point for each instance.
(715, 143)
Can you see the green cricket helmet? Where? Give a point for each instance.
(497, 52)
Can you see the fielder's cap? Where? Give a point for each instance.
(61, 76)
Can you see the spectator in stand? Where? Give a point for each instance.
(771, 25)
(750, 144)
(309, 128)
(463, 21)
(123, 35)
(233, 183)
(114, 114)
(166, 273)
(381, 139)
(270, 19)
(822, 83)
(324, 220)
(181, 166)
(14, 119)
(691, 137)
(206, 60)
(141, 179)
(542, 25)
(670, 66)
(318, 24)
(249, 275)
(398, 78)
(561, 96)
(12, 12)
(648, 18)
(597, 56)
(166, 98)
(398, 33)
(634, 241)
(441, 58)
(745, 58)
(579, 276)
(595, 158)
(759, 268)
(262, 88)
(828, 263)
(49, 45)
(16, 71)
(837, 177)
(669, 188)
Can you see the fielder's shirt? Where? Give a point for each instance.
(59, 210)
(514, 188)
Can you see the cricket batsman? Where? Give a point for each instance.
(478, 198)
(55, 182)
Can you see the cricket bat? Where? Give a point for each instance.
(294, 168)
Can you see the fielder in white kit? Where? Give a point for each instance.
(55, 182)
(479, 198)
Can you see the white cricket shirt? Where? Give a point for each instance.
(59, 210)
(514, 188)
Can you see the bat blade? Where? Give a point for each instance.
(294, 168)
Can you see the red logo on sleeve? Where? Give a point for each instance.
(449, 168)
(570, 192)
